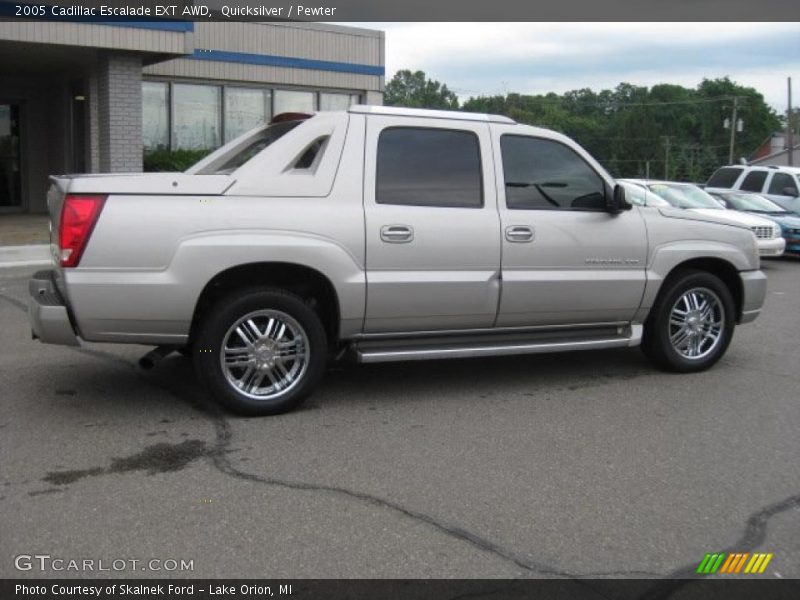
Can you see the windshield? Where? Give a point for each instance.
(752, 202)
(638, 195)
(256, 145)
(684, 196)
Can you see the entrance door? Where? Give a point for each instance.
(10, 193)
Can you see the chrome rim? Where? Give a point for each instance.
(265, 354)
(696, 323)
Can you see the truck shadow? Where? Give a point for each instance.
(118, 387)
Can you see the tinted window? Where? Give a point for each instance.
(779, 182)
(724, 177)
(544, 174)
(256, 145)
(307, 158)
(754, 181)
(429, 167)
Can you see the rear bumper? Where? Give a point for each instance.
(773, 247)
(754, 291)
(48, 313)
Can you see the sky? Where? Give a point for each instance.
(494, 58)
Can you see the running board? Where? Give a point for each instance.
(628, 336)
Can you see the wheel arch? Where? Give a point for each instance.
(720, 267)
(308, 283)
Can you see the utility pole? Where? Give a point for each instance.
(666, 155)
(733, 129)
(789, 141)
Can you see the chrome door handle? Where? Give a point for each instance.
(397, 234)
(519, 233)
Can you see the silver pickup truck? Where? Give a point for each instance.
(385, 234)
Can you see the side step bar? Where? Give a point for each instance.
(629, 336)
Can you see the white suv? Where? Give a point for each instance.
(779, 184)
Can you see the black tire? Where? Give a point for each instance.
(217, 327)
(656, 341)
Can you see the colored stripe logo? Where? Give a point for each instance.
(734, 563)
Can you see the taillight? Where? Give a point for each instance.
(78, 217)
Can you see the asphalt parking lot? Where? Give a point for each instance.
(588, 464)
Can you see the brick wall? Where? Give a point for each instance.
(119, 112)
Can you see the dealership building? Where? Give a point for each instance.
(79, 97)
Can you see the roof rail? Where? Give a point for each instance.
(399, 111)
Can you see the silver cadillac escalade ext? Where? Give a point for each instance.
(385, 234)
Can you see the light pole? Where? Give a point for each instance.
(735, 125)
(666, 139)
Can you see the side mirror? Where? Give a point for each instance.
(616, 201)
(789, 191)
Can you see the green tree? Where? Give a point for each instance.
(666, 130)
(414, 89)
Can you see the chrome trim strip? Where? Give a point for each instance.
(497, 350)
(489, 330)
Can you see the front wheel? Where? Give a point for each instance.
(260, 352)
(690, 324)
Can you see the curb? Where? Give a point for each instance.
(25, 256)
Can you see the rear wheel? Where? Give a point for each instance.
(691, 323)
(260, 351)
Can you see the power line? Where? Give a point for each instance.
(583, 138)
(606, 104)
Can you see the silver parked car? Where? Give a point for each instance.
(690, 197)
(386, 234)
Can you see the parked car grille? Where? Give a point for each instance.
(763, 233)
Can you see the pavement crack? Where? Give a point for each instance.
(754, 534)
(219, 458)
(218, 455)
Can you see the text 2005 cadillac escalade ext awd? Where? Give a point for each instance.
(385, 234)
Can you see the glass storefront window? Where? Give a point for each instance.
(331, 101)
(245, 108)
(196, 118)
(155, 115)
(294, 101)
(193, 116)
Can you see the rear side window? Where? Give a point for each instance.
(419, 166)
(545, 174)
(257, 144)
(724, 177)
(781, 181)
(754, 182)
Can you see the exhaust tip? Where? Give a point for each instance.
(149, 360)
